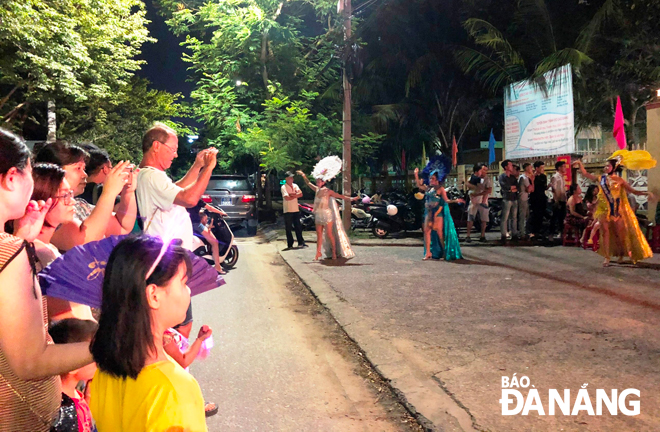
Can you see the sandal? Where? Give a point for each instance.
(210, 409)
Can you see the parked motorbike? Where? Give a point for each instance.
(307, 216)
(360, 216)
(408, 217)
(222, 232)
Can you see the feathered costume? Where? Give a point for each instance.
(626, 238)
(327, 211)
(435, 206)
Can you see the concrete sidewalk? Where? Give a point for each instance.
(445, 333)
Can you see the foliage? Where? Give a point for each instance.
(118, 124)
(611, 45)
(415, 92)
(266, 74)
(74, 49)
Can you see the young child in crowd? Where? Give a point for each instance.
(76, 330)
(184, 353)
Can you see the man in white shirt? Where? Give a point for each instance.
(290, 193)
(162, 202)
(558, 186)
(480, 187)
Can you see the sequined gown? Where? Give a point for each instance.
(435, 206)
(326, 211)
(613, 206)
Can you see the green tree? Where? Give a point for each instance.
(118, 124)
(267, 73)
(611, 45)
(68, 49)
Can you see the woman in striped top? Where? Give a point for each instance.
(30, 364)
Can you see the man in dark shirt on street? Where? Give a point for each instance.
(538, 201)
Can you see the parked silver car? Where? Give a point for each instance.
(235, 195)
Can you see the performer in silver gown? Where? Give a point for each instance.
(331, 239)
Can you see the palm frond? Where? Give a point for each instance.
(416, 71)
(572, 56)
(486, 34)
(393, 113)
(534, 13)
(492, 74)
(607, 12)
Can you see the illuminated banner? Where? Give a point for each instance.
(536, 125)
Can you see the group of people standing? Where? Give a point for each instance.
(605, 208)
(139, 338)
(524, 200)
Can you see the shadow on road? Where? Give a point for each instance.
(571, 281)
(341, 262)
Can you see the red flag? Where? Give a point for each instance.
(454, 152)
(619, 131)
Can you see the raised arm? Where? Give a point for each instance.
(94, 228)
(191, 194)
(579, 165)
(342, 197)
(307, 182)
(126, 211)
(193, 173)
(420, 183)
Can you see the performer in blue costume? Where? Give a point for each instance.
(440, 238)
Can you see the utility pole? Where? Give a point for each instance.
(346, 130)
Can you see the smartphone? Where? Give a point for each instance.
(129, 169)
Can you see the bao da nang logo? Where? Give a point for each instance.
(520, 397)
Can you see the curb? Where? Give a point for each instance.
(420, 393)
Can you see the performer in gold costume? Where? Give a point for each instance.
(620, 235)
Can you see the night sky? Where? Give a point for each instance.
(164, 67)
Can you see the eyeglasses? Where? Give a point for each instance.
(173, 150)
(67, 197)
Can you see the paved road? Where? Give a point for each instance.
(280, 363)
(552, 314)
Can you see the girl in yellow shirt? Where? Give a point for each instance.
(138, 387)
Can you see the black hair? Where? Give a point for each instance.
(13, 152)
(60, 153)
(525, 165)
(504, 163)
(477, 167)
(516, 167)
(97, 158)
(591, 193)
(616, 167)
(158, 132)
(559, 164)
(125, 335)
(72, 330)
(538, 164)
(47, 181)
(572, 189)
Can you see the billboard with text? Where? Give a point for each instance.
(538, 123)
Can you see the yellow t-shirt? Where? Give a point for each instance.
(163, 398)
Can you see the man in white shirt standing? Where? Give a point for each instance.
(558, 186)
(290, 193)
(161, 201)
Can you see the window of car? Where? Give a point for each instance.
(230, 184)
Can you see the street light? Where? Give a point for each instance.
(239, 83)
(192, 138)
